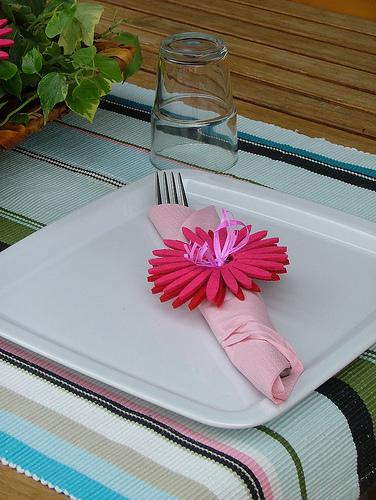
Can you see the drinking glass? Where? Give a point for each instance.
(193, 118)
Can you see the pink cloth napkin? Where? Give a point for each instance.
(243, 328)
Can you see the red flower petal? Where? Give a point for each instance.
(242, 234)
(257, 236)
(221, 293)
(195, 284)
(240, 294)
(168, 296)
(267, 265)
(168, 268)
(183, 280)
(262, 243)
(205, 237)
(244, 280)
(253, 271)
(229, 279)
(259, 252)
(277, 257)
(177, 303)
(159, 261)
(197, 298)
(170, 277)
(166, 252)
(212, 287)
(255, 287)
(270, 249)
(175, 244)
(191, 236)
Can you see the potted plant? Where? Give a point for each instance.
(56, 62)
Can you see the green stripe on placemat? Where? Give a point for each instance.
(360, 375)
(22, 219)
(295, 457)
(11, 231)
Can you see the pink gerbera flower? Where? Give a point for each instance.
(4, 42)
(213, 261)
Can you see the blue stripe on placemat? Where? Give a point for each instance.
(61, 476)
(83, 461)
(303, 153)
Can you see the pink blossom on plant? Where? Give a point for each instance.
(5, 42)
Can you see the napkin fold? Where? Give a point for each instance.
(243, 328)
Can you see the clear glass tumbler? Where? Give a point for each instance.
(193, 118)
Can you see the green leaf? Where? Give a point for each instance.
(6, 11)
(37, 6)
(2, 104)
(84, 99)
(134, 65)
(84, 57)
(22, 12)
(29, 80)
(127, 39)
(71, 36)
(58, 22)
(22, 45)
(52, 89)
(14, 85)
(7, 70)
(53, 50)
(104, 85)
(32, 62)
(108, 68)
(54, 4)
(22, 118)
(88, 15)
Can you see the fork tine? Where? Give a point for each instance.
(170, 189)
(167, 194)
(158, 189)
(174, 190)
(184, 200)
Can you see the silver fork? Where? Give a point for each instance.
(169, 188)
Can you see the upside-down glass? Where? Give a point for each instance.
(193, 118)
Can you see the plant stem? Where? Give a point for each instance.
(25, 103)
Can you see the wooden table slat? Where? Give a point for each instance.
(300, 11)
(293, 103)
(267, 36)
(254, 53)
(304, 84)
(257, 112)
(284, 23)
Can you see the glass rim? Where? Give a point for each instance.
(206, 48)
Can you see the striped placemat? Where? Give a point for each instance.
(92, 441)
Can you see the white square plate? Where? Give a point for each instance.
(76, 292)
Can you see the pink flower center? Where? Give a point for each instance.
(221, 250)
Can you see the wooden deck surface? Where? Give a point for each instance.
(292, 65)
